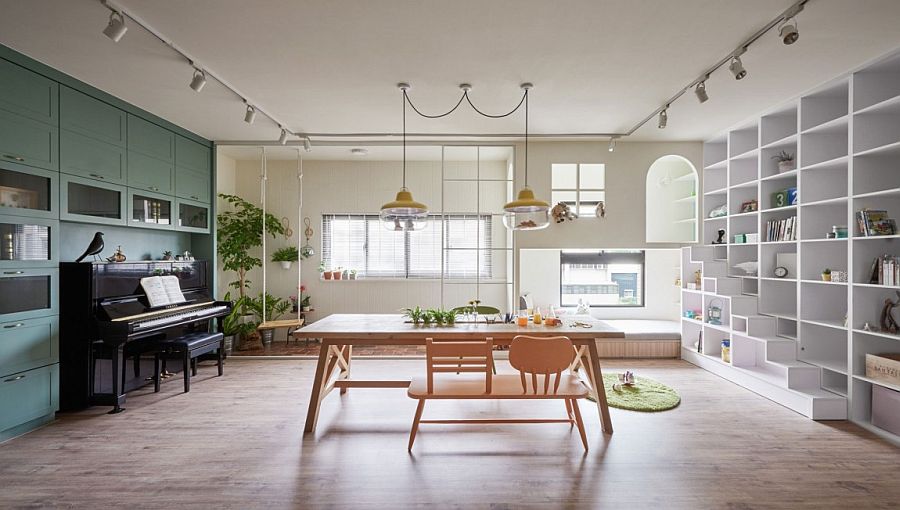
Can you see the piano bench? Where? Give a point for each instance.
(190, 346)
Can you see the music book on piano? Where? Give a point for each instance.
(162, 290)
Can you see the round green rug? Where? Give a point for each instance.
(646, 395)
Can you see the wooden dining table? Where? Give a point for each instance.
(340, 332)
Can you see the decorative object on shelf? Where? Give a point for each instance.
(888, 323)
(307, 251)
(117, 256)
(352, 274)
(286, 225)
(304, 301)
(404, 213)
(780, 199)
(839, 276)
(698, 279)
(714, 312)
(867, 327)
(826, 275)
(721, 238)
(167, 255)
(749, 206)
(839, 231)
(883, 367)
(875, 223)
(885, 271)
(718, 211)
(286, 256)
(239, 232)
(96, 246)
(740, 238)
(786, 161)
(830, 235)
(187, 256)
(18, 198)
(782, 230)
(600, 211)
(337, 274)
(780, 272)
(726, 350)
(562, 212)
(752, 237)
(788, 261)
(751, 267)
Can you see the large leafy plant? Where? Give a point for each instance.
(239, 231)
(275, 307)
(232, 324)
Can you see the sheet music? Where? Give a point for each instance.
(162, 290)
(173, 289)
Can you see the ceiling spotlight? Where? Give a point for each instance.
(250, 115)
(116, 28)
(700, 91)
(788, 32)
(199, 80)
(307, 145)
(663, 118)
(283, 138)
(612, 143)
(737, 68)
(359, 152)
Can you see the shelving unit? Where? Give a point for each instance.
(799, 340)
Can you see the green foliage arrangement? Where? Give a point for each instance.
(416, 315)
(286, 254)
(275, 307)
(239, 231)
(430, 316)
(232, 324)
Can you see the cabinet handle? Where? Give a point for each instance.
(16, 378)
(17, 158)
(97, 176)
(153, 188)
(195, 197)
(16, 325)
(13, 272)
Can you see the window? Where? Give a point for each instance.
(580, 186)
(602, 278)
(360, 242)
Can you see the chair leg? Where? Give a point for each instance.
(156, 373)
(193, 366)
(569, 411)
(221, 361)
(415, 424)
(579, 423)
(186, 368)
(137, 365)
(493, 366)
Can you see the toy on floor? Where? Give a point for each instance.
(625, 379)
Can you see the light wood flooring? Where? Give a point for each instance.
(236, 442)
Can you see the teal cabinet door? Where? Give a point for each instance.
(35, 291)
(28, 142)
(150, 174)
(150, 210)
(192, 184)
(29, 395)
(87, 157)
(28, 191)
(28, 344)
(91, 201)
(190, 154)
(91, 117)
(192, 216)
(150, 139)
(28, 94)
(28, 242)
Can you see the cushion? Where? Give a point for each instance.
(193, 341)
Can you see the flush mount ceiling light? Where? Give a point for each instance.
(700, 91)
(404, 213)
(526, 212)
(116, 27)
(199, 80)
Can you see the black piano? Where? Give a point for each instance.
(105, 318)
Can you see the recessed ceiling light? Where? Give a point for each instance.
(359, 152)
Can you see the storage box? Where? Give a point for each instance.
(753, 238)
(886, 409)
(780, 199)
(792, 196)
(884, 367)
(740, 238)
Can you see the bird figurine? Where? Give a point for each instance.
(94, 248)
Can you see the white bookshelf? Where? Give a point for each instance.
(801, 341)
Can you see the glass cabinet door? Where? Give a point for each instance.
(150, 210)
(27, 293)
(28, 243)
(26, 194)
(192, 216)
(91, 201)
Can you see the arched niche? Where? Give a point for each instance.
(671, 189)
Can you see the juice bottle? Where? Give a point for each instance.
(522, 320)
(538, 319)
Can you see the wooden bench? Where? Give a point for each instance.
(539, 358)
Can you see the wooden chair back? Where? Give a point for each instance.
(541, 355)
(459, 357)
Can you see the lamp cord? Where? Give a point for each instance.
(405, 99)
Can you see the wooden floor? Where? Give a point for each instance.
(235, 442)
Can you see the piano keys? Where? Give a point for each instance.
(105, 317)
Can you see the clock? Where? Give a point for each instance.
(781, 272)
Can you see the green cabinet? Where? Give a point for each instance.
(91, 117)
(192, 155)
(28, 242)
(150, 210)
(192, 216)
(28, 344)
(151, 140)
(150, 174)
(35, 291)
(91, 201)
(192, 185)
(26, 141)
(88, 157)
(28, 192)
(28, 94)
(27, 396)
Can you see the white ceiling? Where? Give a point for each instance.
(374, 153)
(331, 67)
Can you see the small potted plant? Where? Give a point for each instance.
(352, 274)
(786, 161)
(337, 273)
(826, 275)
(286, 256)
(304, 299)
(167, 255)
(415, 315)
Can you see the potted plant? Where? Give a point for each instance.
(414, 314)
(233, 327)
(353, 274)
(239, 232)
(786, 161)
(826, 275)
(304, 299)
(274, 308)
(286, 255)
(337, 273)
(167, 255)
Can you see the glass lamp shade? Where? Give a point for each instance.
(526, 212)
(404, 213)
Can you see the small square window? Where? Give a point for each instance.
(581, 186)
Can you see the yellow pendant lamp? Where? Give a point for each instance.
(526, 212)
(404, 213)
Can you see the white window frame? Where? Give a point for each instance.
(578, 189)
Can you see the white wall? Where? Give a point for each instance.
(226, 168)
(539, 275)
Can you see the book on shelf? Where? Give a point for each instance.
(886, 270)
(782, 230)
(873, 222)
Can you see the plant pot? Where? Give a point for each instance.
(285, 264)
(826, 277)
(306, 308)
(268, 335)
(786, 166)
(326, 275)
(346, 274)
(336, 275)
(229, 344)
(352, 276)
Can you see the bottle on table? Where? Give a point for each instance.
(538, 318)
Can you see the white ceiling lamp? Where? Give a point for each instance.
(789, 32)
(403, 213)
(283, 138)
(612, 143)
(526, 212)
(700, 91)
(116, 27)
(737, 67)
(199, 80)
(663, 118)
(307, 144)
(250, 114)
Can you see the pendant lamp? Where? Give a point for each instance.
(404, 213)
(526, 212)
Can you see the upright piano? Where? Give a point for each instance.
(105, 317)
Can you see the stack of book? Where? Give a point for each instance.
(782, 230)
(886, 270)
(875, 223)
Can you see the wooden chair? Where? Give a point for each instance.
(537, 357)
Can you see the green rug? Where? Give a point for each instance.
(646, 395)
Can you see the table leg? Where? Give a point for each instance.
(593, 368)
(345, 369)
(315, 396)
